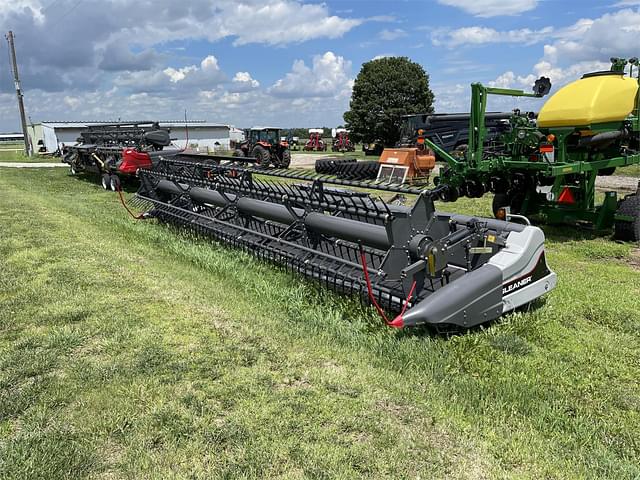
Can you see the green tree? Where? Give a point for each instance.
(384, 90)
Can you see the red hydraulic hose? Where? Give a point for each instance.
(372, 297)
(124, 204)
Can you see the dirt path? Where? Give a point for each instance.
(617, 182)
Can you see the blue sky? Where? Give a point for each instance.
(289, 62)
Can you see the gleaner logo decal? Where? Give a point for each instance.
(516, 285)
(539, 271)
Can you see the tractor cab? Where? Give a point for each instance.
(264, 136)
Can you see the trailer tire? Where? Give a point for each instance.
(605, 172)
(114, 183)
(262, 156)
(500, 200)
(628, 231)
(514, 202)
(106, 181)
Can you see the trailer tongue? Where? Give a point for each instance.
(424, 266)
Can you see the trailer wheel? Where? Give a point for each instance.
(106, 181)
(261, 155)
(500, 200)
(624, 230)
(607, 171)
(114, 183)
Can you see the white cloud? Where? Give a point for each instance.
(181, 80)
(72, 102)
(612, 34)
(383, 55)
(392, 34)
(180, 74)
(492, 8)
(482, 35)
(327, 77)
(243, 82)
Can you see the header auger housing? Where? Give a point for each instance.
(427, 267)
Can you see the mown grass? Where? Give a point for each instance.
(14, 152)
(130, 350)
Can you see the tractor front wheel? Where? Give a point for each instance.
(625, 229)
(262, 156)
(286, 160)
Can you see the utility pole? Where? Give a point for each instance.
(16, 80)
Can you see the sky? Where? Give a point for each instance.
(289, 62)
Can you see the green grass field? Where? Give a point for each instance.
(131, 350)
(14, 152)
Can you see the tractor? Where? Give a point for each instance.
(544, 167)
(265, 145)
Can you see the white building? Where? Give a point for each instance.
(201, 135)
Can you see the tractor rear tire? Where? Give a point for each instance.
(262, 156)
(628, 231)
(106, 181)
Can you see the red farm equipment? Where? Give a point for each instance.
(116, 150)
(341, 141)
(315, 142)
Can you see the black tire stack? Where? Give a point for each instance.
(348, 168)
(329, 166)
(366, 170)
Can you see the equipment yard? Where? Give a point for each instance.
(167, 356)
(276, 251)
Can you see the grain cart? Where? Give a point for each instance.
(423, 267)
(315, 142)
(116, 150)
(264, 144)
(546, 168)
(341, 141)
